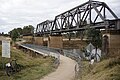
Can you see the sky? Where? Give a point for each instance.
(20, 13)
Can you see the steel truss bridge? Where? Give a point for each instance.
(93, 14)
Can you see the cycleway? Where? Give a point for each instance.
(65, 71)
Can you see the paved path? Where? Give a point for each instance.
(65, 70)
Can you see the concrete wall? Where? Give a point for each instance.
(55, 42)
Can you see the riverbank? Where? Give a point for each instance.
(32, 67)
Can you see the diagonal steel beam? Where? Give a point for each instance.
(95, 8)
(98, 15)
(110, 11)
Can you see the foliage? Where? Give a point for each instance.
(18, 32)
(94, 36)
(14, 34)
(28, 29)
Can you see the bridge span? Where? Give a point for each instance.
(92, 14)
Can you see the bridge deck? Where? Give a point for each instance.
(41, 50)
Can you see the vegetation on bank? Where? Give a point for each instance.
(32, 68)
(108, 69)
(19, 32)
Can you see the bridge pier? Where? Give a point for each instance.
(38, 40)
(29, 39)
(55, 41)
(111, 42)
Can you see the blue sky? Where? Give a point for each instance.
(19, 13)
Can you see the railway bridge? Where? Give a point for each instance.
(91, 14)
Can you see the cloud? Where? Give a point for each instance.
(18, 13)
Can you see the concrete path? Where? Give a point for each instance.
(65, 70)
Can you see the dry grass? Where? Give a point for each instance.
(108, 69)
(32, 68)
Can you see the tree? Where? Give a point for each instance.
(20, 31)
(28, 29)
(14, 34)
(94, 36)
(17, 32)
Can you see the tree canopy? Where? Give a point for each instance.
(94, 36)
(14, 34)
(28, 29)
(17, 32)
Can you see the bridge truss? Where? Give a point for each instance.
(90, 14)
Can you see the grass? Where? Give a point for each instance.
(32, 68)
(108, 69)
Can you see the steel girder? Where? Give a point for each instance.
(44, 27)
(78, 18)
